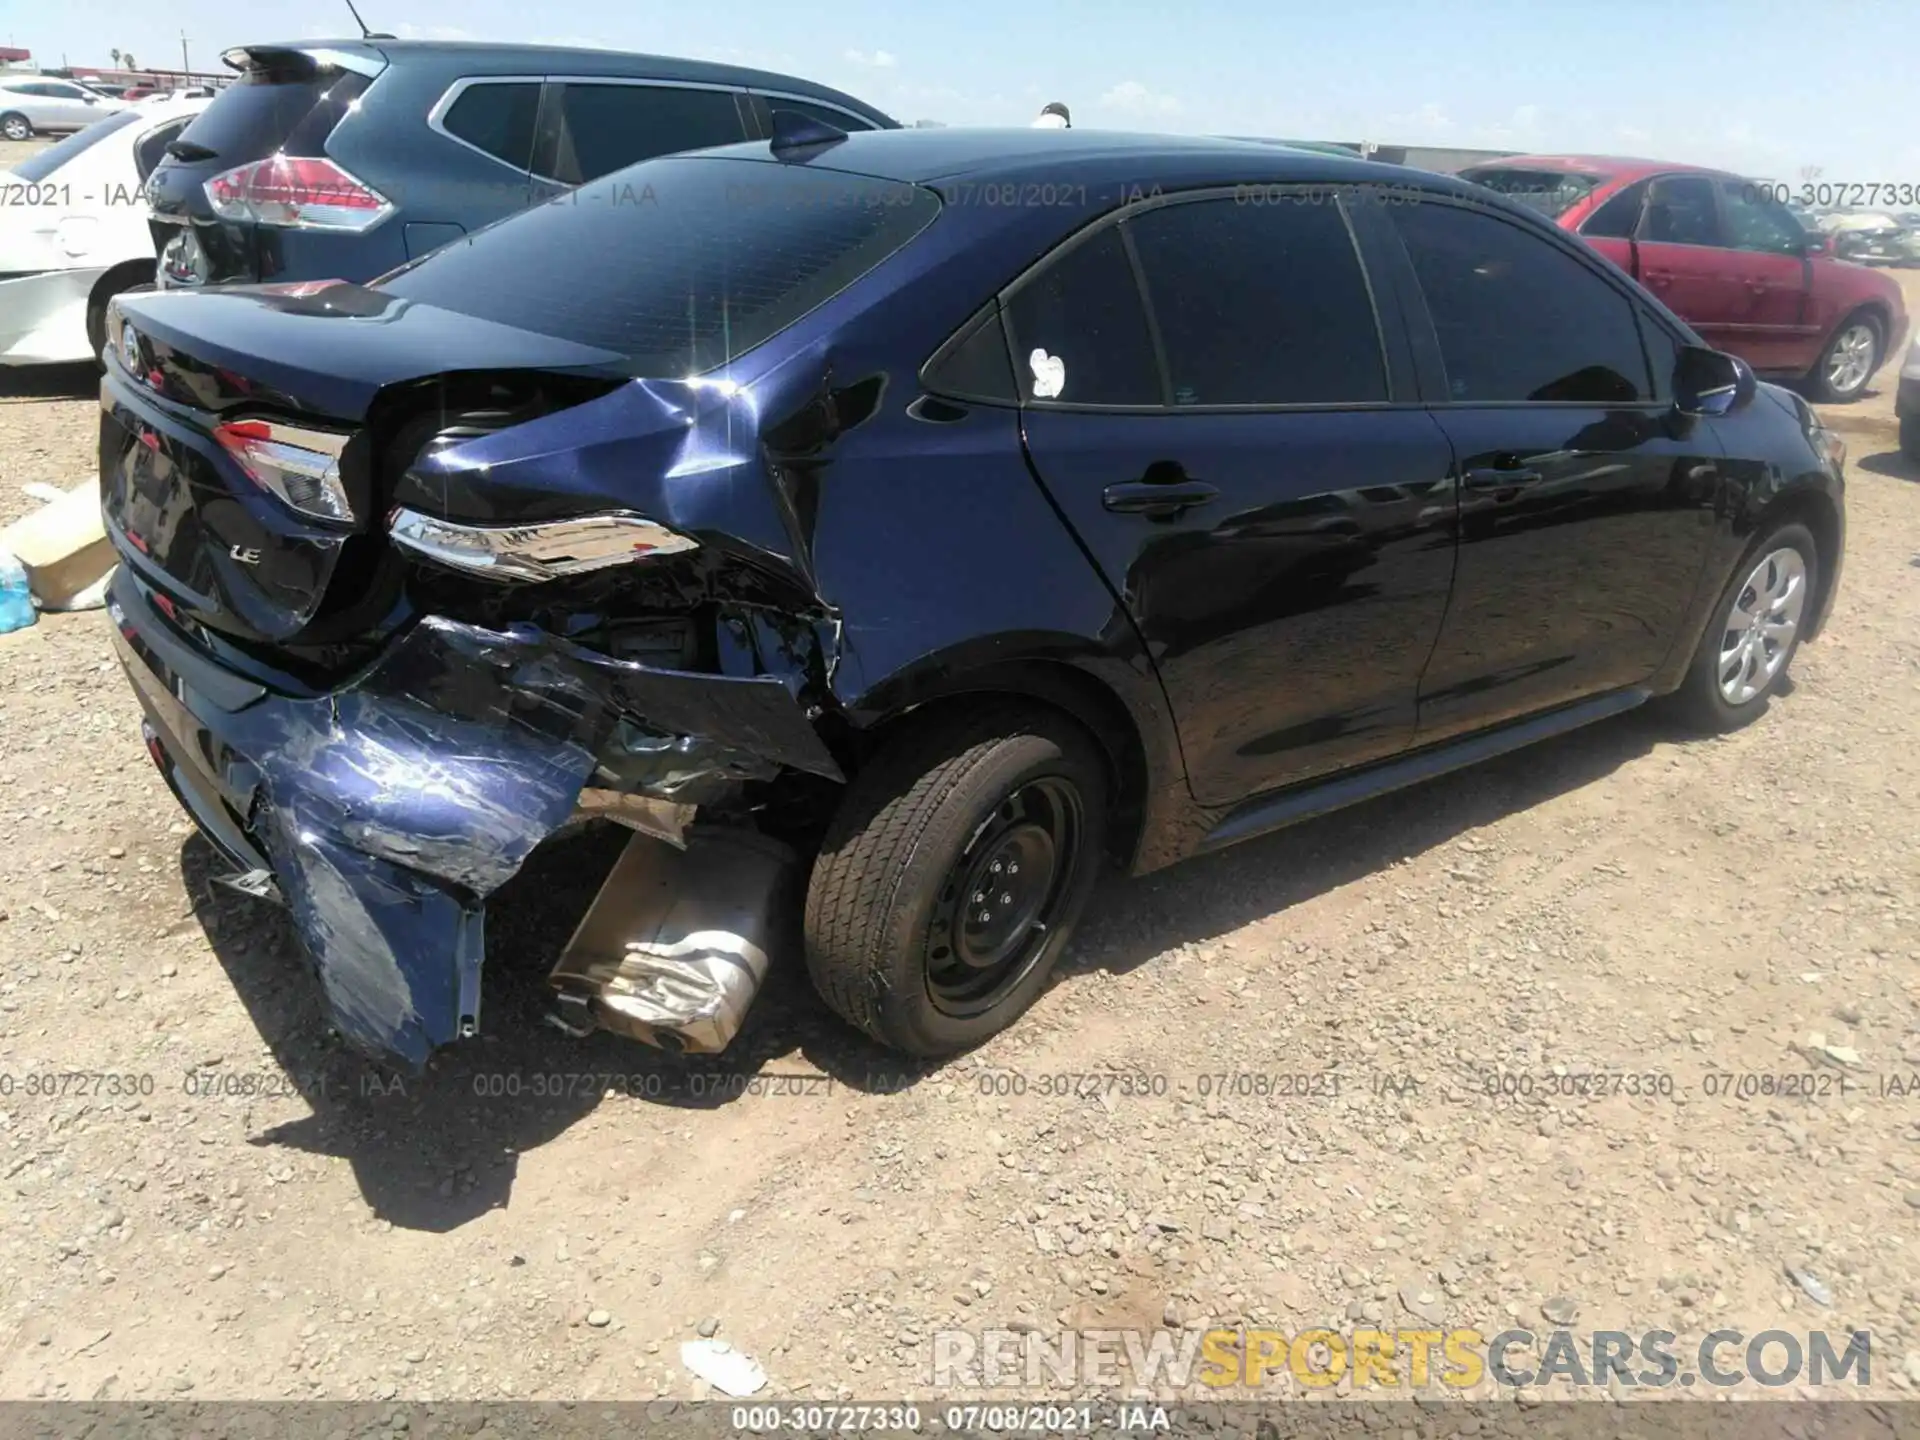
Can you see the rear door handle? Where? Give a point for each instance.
(1496, 477)
(1141, 497)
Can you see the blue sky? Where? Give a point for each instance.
(1767, 87)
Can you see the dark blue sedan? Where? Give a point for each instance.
(926, 517)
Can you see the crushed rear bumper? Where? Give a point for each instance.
(384, 812)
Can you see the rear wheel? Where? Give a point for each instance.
(1749, 644)
(1849, 360)
(15, 127)
(122, 281)
(948, 884)
(1910, 436)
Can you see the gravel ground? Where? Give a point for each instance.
(261, 1216)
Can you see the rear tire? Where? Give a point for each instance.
(948, 883)
(1755, 632)
(1844, 368)
(112, 285)
(1910, 436)
(14, 127)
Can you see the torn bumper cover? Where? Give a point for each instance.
(386, 811)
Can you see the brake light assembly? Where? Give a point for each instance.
(297, 466)
(297, 192)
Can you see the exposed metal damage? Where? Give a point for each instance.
(390, 809)
(676, 944)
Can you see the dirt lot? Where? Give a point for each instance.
(1624, 901)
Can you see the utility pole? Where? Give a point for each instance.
(186, 69)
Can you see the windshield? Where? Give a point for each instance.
(678, 264)
(1551, 192)
(40, 165)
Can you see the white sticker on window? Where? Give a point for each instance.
(1049, 375)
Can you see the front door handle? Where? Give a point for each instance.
(1143, 497)
(1497, 477)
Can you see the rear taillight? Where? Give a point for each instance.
(303, 192)
(546, 550)
(300, 467)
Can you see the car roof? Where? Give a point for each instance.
(484, 57)
(984, 154)
(1613, 167)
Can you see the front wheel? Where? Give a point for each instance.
(1849, 361)
(1750, 642)
(950, 880)
(15, 127)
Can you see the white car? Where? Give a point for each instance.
(73, 232)
(35, 104)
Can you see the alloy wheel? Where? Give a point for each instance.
(999, 902)
(16, 129)
(1761, 626)
(1851, 360)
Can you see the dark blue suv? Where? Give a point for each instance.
(343, 159)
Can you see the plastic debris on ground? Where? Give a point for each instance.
(726, 1369)
(16, 600)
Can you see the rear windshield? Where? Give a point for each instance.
(678, 264)
(43, 163)
(1551, 192)
(290, 109)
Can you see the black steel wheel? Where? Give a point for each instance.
(1002, 897)
(948, 883)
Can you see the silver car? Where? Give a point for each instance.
(31, 104)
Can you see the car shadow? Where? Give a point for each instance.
(1209, 896)
(80, 381)
(1894, 463)
(435, 1151)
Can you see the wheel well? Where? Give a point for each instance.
(128, 272)
(1064, 690)
(1878, 313)
(1817, 512)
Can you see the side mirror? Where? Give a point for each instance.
(1817, 244)
(1711, 382)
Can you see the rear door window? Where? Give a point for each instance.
(1616, 218)
(1680, 211)
(1516, 318)
(698, 261)
(1080, 334)
(1260, 305)
(603, 128)
(497, 119)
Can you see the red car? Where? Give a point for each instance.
(1726, 257)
